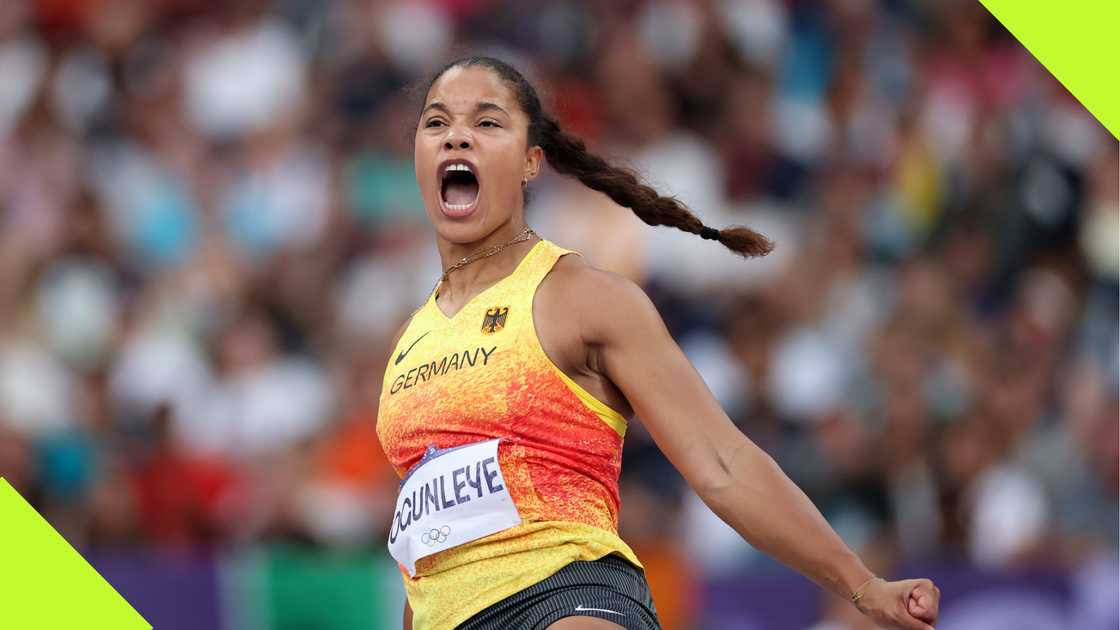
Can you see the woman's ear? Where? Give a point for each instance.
(534, 157)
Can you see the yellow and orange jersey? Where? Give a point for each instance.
(480, 375)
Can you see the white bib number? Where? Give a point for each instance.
(451, 497)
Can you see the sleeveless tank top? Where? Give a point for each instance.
(479, 375)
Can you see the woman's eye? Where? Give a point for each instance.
(489, 123)
(435, 122)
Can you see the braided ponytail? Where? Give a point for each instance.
(569, 156)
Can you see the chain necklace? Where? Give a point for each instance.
(490, 251)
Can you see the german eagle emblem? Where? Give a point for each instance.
(495, 319)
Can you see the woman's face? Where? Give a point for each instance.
(472, 154)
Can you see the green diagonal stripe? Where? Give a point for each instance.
(1078, 42)
(45, 584)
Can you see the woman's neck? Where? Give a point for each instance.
(476, 276)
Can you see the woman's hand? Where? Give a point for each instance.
(905, 604)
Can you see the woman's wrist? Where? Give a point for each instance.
(860, 590)
(850, 574)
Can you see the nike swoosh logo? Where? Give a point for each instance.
(580, 608)
(400, 357)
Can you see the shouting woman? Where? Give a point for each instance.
(507, 395)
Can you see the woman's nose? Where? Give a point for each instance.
(457, 139)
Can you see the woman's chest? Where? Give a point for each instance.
(450, 390)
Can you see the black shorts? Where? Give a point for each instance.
(610, 588)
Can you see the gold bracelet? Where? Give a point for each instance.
(859, 590)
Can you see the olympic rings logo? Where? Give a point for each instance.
(435, 536)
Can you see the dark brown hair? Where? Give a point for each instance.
(568, 155)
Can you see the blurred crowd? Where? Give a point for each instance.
(210, 229)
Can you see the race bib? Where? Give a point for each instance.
(451, 497)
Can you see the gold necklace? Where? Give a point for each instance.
(490, 251)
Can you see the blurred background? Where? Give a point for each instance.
(210, 230)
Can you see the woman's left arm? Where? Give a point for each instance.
(739, 481)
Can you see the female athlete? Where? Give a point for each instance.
(507, 393)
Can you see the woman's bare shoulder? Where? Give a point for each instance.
(576, 278)
(597, 297)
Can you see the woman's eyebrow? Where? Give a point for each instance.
(480, 107)
(437, 105)
(487, 105)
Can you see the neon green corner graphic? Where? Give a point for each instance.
(1077, 42)
(45, 584)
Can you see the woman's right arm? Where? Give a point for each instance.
(406, 623)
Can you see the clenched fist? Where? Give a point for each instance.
(903, 605)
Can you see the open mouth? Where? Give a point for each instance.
(458, 186)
